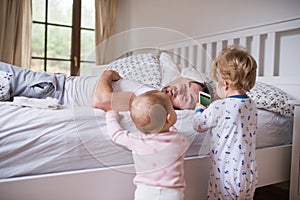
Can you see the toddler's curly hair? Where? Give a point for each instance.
(236, 66)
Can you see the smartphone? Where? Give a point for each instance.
(204, 98)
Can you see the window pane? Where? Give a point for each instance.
(38, 10)
(55, 66)
(59, 42)
(87, 45)
(38, 40)
(60, 11)
(37, 65)
(88, 14)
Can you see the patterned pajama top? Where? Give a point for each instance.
(231, 125)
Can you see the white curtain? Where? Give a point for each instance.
(105, 27)
(15, 32)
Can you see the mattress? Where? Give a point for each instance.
(38, 141)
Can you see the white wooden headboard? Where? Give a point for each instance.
(275, 46)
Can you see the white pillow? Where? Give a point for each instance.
(5, 79)
(170, 70)
(143, 68)
(192, 73)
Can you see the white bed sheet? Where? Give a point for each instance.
(36, 141)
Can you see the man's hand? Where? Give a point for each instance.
(103, 90)
(111, 74)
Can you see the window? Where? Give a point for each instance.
(63, 35)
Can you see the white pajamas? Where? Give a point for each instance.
(233, 124)
(70, 91)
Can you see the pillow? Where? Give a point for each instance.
(143, 68)
(170, 70)
(271, 98)
(5, 79)
(192, 73)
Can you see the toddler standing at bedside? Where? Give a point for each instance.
(158, 149)
(232, 124)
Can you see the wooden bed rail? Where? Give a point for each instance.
(261, 41)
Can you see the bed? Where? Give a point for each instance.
(60, 167)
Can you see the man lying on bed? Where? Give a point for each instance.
(89, 90)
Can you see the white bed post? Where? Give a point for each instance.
(219, 47)
(176, 55)
(295, 165)
(243, 42)
(191, 56)
(255, 51)
(183, 57)
(209, 57)
(200, 58)
(270, 55)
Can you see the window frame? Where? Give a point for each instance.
(75, 54)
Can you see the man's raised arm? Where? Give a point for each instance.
(103, 90)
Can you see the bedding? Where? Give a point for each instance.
(5, 79)
(170, 70)
(41, 141)
(271, 98)
(143, 68)
(37, 141)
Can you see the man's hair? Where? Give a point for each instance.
(204, 86)
(236, 66)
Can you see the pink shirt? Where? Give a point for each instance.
(158, 158)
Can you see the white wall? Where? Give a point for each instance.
(148, 23)
(202, 17)
(192, 18)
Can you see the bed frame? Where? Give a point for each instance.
(276, 48)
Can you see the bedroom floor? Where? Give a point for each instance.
(274, 192)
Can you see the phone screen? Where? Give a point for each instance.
(204, 98)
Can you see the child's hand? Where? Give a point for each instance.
(199, 105)
(200, 108)
(119, 116)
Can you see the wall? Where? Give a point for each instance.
(201, 17)
(179, 19)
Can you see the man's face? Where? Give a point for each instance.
(183, 93)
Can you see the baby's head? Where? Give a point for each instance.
(235, 66)
(153, 112)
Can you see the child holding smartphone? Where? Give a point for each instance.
(232, 124)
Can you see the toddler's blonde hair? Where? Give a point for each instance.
(237, 67)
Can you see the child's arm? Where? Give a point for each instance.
(200, 107)
(201, 120)
(115, 131)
